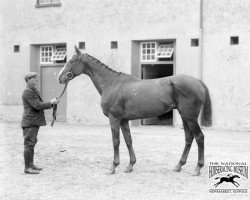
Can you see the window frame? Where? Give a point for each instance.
(59, 54)
(49, 4)
(42, 56)
(167, 49)
(152, 51)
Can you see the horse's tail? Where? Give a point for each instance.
(217, 177)
(206, 113)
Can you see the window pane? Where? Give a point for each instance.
(165, 51)
(44, 1)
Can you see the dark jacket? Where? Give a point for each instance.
(33, 107)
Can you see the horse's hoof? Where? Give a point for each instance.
(177, 168)
(111, 171)
(196, 173)
(128, 169)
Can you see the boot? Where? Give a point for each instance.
(32, 162)
(27, 161)
(37, 168)
(31, 171)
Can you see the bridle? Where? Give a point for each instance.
(69, 75)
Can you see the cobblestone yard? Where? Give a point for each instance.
(76, 159)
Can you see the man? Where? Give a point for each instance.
(33, 118)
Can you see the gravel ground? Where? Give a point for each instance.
(76, 159)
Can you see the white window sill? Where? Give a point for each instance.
(48, 5)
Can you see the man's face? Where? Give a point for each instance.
(33, 80)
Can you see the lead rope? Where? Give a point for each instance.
(55, 106)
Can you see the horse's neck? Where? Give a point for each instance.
(101, 76)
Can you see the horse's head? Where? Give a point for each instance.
(235, 176)
(73, 68)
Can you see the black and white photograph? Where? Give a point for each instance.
(124, 99)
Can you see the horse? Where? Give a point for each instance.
(228, 178)
(125, 97)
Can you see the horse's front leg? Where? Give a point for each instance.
(234, 182)
(188, 143)
(115, 129)
(128, 139)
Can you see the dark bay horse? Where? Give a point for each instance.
(125, 97)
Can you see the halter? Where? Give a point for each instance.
(69, 75)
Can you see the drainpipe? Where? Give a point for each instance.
(201, 41)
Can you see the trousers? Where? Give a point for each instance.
(30, 140)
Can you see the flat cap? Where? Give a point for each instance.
(30, 75)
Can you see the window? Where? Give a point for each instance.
(16, 48)
(81, 45)
(148, 50)
(59, 54)
(45, 54)
(165, 51)
(114, 45)
(194, 42)
(47, 3)
(234, 40)
(53, 54)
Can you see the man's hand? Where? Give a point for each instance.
(54, 101)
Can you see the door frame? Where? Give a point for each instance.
(36, 66)
(136, 65)
(156, 120)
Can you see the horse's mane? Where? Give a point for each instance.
(102, 64)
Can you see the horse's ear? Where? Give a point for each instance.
(78, 52)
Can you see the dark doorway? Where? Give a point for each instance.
(151, 71)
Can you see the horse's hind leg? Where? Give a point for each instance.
(115, 129)
(199, 137)
(188, 143)
(128, 139)
(216, 184)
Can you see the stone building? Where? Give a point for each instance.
(207, 39)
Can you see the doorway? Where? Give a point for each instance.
(151, 71)
(48, 60)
